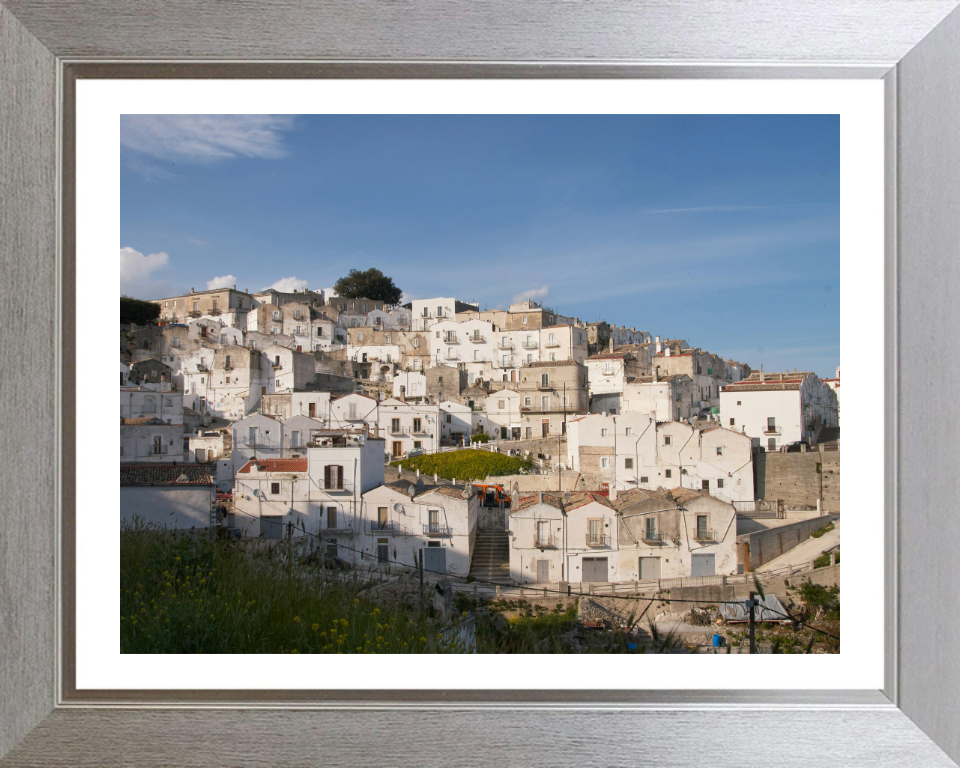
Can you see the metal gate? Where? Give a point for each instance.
(434, 559)
(595, 569)
(703, 565)
(649, 569)
(543, 571)
(271, 527)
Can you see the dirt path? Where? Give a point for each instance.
(806, 551)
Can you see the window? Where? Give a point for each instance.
(667, 440)
(351, 410)
(506, 361)
(604, 462)
(705, 485)
(668, 473)
(439, 311)
(553, 356)
(720, 483)
(174, 303)
(439, 379)
(731, 422)
(527, 402)
(644, 479)
(294, 439)
(448, 418)
(297, 331)
(501, 403)
(529, 432)
(544, 379)
(416, 425)
(433, 518)
(529, 359)
(603, 432)
(276, 315)
(319, 331)
(333, 477)
(596, 531)
(196, 306)
(701, 527)
(738, 402)
(166, 304)
(274, 330)
(363, 308)
(395, 425)
(360, 336)
(214, 305)
(176, 342)
(551, 339)
(416, 342)
(772, 444)
(417, 444)
(227, 380)
(608, 367)
(524, 320)
(545, 403)
(296, 314)
(275, 488)
(771, 424)
(719, 450)
(628, 431)
(438, 334)
(223, 338)
(628, 463)
(388, 338)
(543, 532)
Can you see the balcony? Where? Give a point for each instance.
(437, 529)
(652, 537)
(547, 386)
(158, 450)
(544, 541)
(597, 540)
(399, 431)
(450, 338)
(705, 535)
(202, 368)
(388, 528)
(451, 356)
(341, 527)
(352, 417)
(552, 344)
(529, 344)
(769, 430)
(505, 344)
(215, 311)
(228, 367)
(195, 313)
(276, 366)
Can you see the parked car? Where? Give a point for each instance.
(794, 447)
(415, 452)
(328, 561)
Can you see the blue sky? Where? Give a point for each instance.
(723, 230)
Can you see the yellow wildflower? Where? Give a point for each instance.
(315, 627)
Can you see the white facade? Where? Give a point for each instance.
(141, 402)
(669, 398)
(148, 440)
(503, 413)
(257, 436)
(427, 312)
(632, 450)
(547, 545)
(397, 525)
(352, 411)
(775, 410)
(170, 505)
(456, 422)
(195, 371)
(411, 385)
(408, 426)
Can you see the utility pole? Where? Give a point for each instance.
(420, 569)
(753, 624)
(563, 431)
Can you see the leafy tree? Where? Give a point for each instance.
(371, 284)
(137, 311)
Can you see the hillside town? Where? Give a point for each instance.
(273, 415)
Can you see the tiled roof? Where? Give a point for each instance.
(636, 495)
(554, 499)
(165, 474)
(550, 363)
(139, 422)
(275, 465)
(608, 356)
(454, 492)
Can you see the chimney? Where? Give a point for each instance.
(761, 374)
(611, 342)
(656, 373)
(666, 352)
(234, 286)
(657, 339)
(191, 290)
(613, 492)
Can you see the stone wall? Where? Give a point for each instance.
(766, 545)
(794, 478)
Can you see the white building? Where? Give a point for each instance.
(503, 411)
(308, 492)
(633, 450)
(149, 440)
(426, 312)
(834, 384)
(256, 436)
(670, 397)
(676, 533)
(401, 519)
(174, 497)
(152, 401)
(457, 423)
(408, 426)
(353, 411)
(410, 385)
(776, 409)
(568, 537)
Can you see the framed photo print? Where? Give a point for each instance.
(504, 367)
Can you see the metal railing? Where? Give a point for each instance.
(768, 430)
(654, 537)
(598, 540)
(450, 338)
(530, 344)
(505, 344)
(552, 344)
(388, 528)
(437, 529)
(548, 385)
(342, 526)
(158, 450)
(545, 541)
(476, 339)
(705, 535)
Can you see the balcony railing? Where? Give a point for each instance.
(768, 430)
(437, 529)
(548, 385)
(341, 527)
(276, 366)
(215, 311)
(505, 344)
(529, 344)
(652, 537)
(544, 541)
(450, 338)
(552, 344)
(195, 313)
(388, 528)
(705, 535)
(158, 450)
(451, 356)
(476, 339)
(597, 540)
(202, 368)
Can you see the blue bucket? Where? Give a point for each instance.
(717, 641)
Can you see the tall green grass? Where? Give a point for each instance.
(468, 464)
(183, 595)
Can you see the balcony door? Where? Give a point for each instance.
(381, 517)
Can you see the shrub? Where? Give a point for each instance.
(820, 531)
(465, 465)
(480, 437)
(824, 560)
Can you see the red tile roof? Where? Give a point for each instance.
(165, 474)
(554, 499)
(275, 465)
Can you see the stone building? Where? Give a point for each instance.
(552, 391)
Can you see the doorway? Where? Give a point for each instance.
(703, 565)
(649, 569)
(545, 428)
(543, 571)
(595, 569)
(434, 558)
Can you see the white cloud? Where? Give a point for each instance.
(136, 274)
(329, 293)
(288, 285)
(537, 294)
(226, 281)
(204, 138)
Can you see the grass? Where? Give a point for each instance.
(179, 595)
(824, 560)
(820, 531)
(465, 465)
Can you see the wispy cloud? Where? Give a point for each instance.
(725, 208)
(137, 274)
(537, 294)
(204, 138)
(195, 241)
(288, 285)
(225, 281)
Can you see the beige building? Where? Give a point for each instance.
(551, 391)
(216, 302)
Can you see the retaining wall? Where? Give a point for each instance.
(764, 546)
(794, 478)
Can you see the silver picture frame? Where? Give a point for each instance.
(913, 45)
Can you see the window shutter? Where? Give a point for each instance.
(326, 476)
(340, 478)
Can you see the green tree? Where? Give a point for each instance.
(370, 284)
(137, 311)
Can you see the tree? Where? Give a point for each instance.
(137, 311)
(371, 284)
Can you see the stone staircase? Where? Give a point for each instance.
(491, 557)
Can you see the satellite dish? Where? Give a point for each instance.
(397, 507)
(412, 490)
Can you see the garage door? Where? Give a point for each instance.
(434, 559)
(703, 565)
(649, 569)
(595, 569)
(271, 527)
